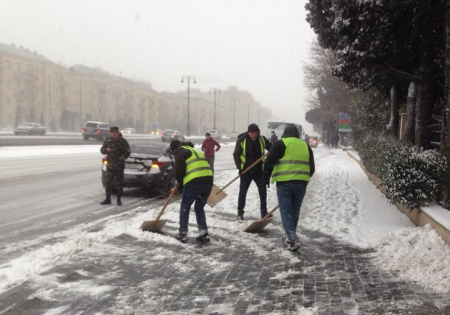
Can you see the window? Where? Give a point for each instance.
(8, 83)
(18, 66)
(8, 102)
(8, 64)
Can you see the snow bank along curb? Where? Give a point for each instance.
(417, 216)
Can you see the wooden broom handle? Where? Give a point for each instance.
(172, 193)
(270, 213)
(245, 171)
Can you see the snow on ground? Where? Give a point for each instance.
(418, 254)
(340, 201)
(46, 150)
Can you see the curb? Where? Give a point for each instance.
(416, 215)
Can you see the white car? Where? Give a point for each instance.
(129, 130)
(215, 134)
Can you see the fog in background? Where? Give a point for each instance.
(256, 45)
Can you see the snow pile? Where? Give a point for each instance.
(419, 254)
(47, 150)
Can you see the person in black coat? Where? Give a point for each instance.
(250, 146)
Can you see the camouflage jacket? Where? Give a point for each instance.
(116, 158)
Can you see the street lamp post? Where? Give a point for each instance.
(234, 99)
(215, 91)
(188, 78)
(248, 116)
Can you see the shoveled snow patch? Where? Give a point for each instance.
(57, 311)
(46, 150)
(419, 254)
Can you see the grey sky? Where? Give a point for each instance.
(257, 45)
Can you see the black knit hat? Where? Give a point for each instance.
(175, 144)
(253, 128)
(114, 129)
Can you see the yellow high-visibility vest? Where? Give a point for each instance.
(196, 166)
(294, 165)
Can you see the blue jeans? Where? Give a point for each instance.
(199, 194)
(290, 198)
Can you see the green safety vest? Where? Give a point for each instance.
(244, 153)
(294, 165)
(196, 166)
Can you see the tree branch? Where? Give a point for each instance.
(403, 75)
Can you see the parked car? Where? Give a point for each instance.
(170, 134)
(97, 130)
(215, 134)
(7, 129)
(150, 166)
(155, 132)
(30, 129)
(313, 142)
(129, 130)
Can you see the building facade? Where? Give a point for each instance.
(35, 89)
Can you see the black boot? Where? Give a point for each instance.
(240, 216)
(203, 238)
(182, 237)
(107, 201)
(119, 201)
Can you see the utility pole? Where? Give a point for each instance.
(81, 107)
(188, 78)
(234, 99)
(215, 91)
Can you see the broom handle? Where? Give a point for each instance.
(245, 171)
(270, 213)
(172, 193)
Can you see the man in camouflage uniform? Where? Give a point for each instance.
(117, 150)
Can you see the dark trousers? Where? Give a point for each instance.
(114, 176)
(290, 198)
(198, 194)
(210, 160)
(246, 180)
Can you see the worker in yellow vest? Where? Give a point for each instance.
(250, 146)
(195, 178)
(290, 163)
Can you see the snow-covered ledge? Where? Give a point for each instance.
(434, 215)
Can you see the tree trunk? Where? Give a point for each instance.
(392, 127)
(424, 104)
(408, 131)
(445, 139)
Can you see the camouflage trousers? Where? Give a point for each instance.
(114, 179)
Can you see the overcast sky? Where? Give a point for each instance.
(256, 45)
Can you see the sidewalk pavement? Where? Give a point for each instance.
(150, 277)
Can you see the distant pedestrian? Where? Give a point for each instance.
(210, 147)
(195, 179)
(117, 150)
(251, 146)
(336, 140)
(273, 137)
(307, 139)
(290, 163)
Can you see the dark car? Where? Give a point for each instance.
(150, 166)
(30, 129)
(96, 130)
(313, 142)
(170, 134)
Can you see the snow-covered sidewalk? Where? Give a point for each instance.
(347, 230)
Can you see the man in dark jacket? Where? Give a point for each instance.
(195, 179)
(273, 137)
(117, 150)
(290, 162)
(250, 146)
(210, 147)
